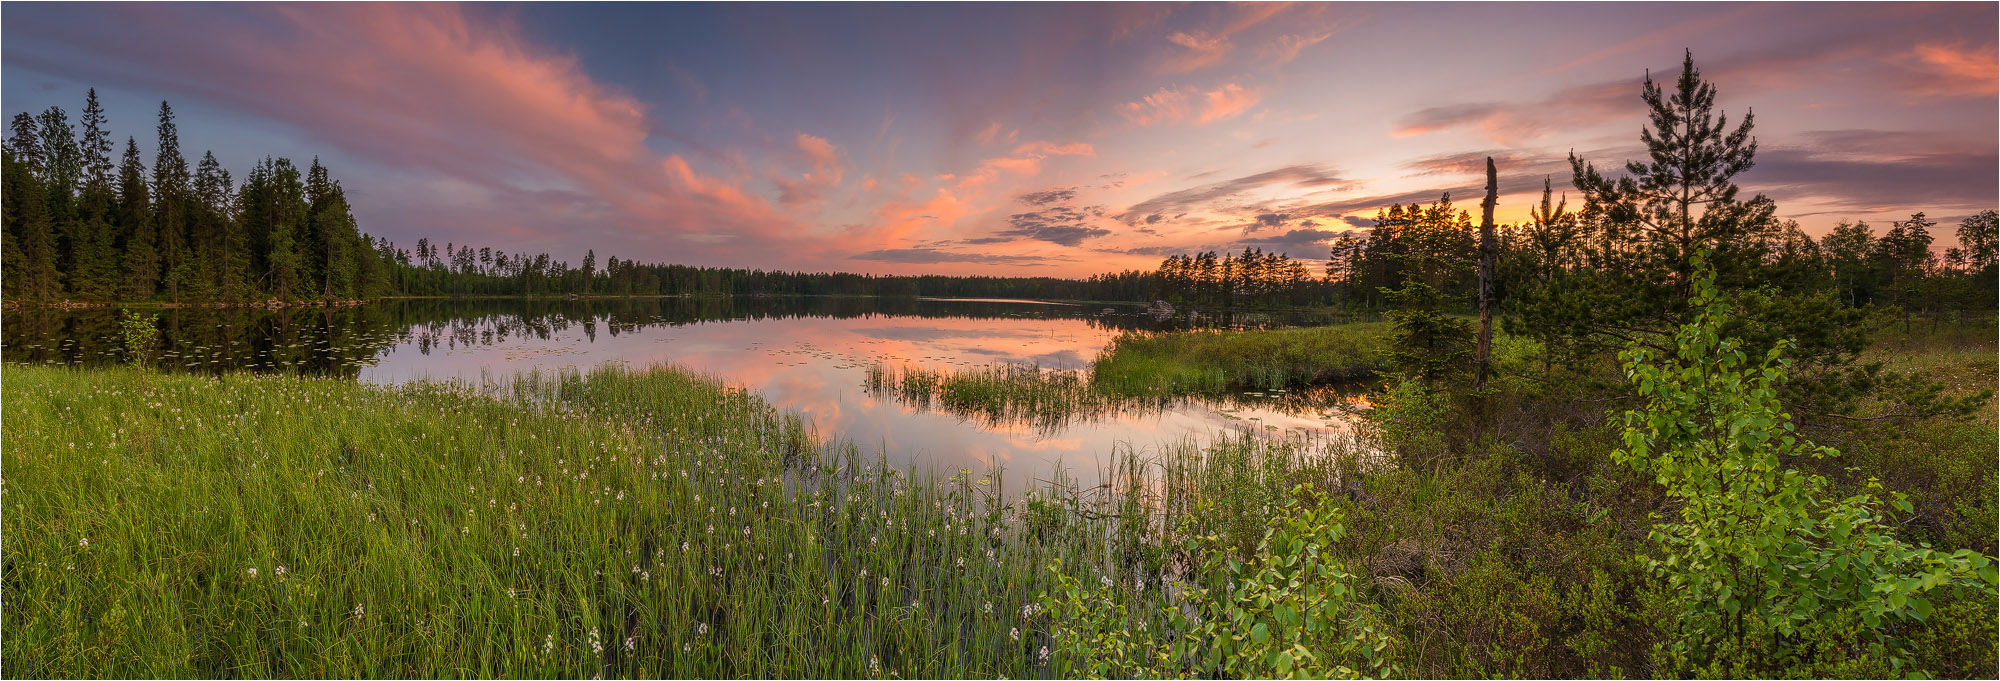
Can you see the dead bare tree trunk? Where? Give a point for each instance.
(1484, 354)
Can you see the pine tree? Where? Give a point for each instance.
(1977, 239)
(1903, 256)
(1683, 197)
(1847, 248)
(1429, 344)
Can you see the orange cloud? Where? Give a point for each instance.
(1188, 104)
(900, 220)
(1202, 50)
(1954, 70)
(1053, 149)
(825, 174)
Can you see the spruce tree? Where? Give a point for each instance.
(97, 168)
(31, 273)
(62, 155)
(139, 263)
(208, 251)
(287, 211)
(25, 143)
(170, 203)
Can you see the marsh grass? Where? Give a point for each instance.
(622, 522)
(1208, 362)
(1007, 394)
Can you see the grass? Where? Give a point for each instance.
(1206, 362)
(621, 522)
(1004, 394)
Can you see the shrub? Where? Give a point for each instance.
(141, 336)
(1767, 574)
(1291, 612)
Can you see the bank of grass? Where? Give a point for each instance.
(996, 394)
(1197, 362)
(617, 523)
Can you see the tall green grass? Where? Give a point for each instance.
(1196, 362)
(616, 523)
(1006, 394)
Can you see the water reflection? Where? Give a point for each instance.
(812, 355)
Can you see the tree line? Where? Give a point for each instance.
(1252, 277)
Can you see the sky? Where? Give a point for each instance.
(1010, 139)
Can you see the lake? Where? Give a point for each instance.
(811, 355)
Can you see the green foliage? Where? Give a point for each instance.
(1194, 362)
(141, 334)
(1428, 344)
(1291, 611)
(1411, 418)
(1766, 572)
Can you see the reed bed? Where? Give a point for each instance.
(1207, 362)
(620, 522)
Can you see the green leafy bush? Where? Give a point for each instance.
(1410, 418)
(141, 336)
(1291, 612)
(1767, 574)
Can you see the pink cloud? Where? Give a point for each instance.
(1287, 47)
(1952, 70)
(1053, 149)
(1199, 48)
(824, 175)
(1202, 50)
(1188, 104)
(1511, 123)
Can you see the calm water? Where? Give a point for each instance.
(809, 355)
